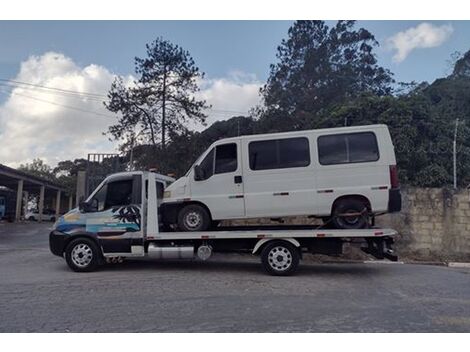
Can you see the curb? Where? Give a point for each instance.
(458, 265)
(381, 262)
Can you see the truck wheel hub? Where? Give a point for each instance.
(279, 258)
(82, 255)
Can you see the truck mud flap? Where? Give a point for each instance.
(381, 248)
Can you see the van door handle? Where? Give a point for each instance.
(237, 179)
(281, 194)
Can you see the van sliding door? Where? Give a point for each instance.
(279, 178)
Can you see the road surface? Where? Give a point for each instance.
(231, 293)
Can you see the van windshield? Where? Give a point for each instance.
(195, 163)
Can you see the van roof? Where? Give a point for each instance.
(302, 132)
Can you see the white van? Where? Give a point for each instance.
(344, 175)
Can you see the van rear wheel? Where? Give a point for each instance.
(193, 217)
(349, 214)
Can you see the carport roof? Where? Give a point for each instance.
(9, 177)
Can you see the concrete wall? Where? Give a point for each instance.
(434, 224)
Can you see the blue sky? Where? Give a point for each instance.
(235, 55)
(218, 47)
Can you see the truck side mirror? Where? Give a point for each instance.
(198, 173)
(89, 207)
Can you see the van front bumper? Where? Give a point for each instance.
(394, 200)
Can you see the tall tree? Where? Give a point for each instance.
(161, 99)
(38, 168)
(319, 66)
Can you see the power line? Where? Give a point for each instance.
(91, 96)
(61, 105)
(94, 96)
(58, 94)
(52, 88)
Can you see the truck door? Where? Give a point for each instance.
(221, 187)
(116, 217)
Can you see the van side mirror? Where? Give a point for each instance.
(198, 173)
(89, 207)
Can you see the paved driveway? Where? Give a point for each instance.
(230, 293)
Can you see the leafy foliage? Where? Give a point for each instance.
(38, 168)
(319, 67)
(161, 100)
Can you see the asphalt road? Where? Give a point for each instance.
(38, 293)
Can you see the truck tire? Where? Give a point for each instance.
(280, 258)
(82, 255)
(193, 217)
(350, 205)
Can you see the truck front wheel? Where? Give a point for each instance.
(280, 258)
(193, 217)
(82, 255)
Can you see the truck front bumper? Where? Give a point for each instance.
(57, 241)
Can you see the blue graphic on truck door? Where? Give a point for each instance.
(116, 221)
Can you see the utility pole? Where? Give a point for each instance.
(455, 153)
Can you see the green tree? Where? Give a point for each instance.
(162, 99)
(38, 168)
(317, 67)
(66, 172)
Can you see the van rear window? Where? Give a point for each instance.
(348, 148)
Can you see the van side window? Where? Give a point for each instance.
(225, 158)
(279, 153)
(294, 152)
(348, 148)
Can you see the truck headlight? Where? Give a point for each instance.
(167, 194)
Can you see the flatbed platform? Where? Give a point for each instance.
(273, 232)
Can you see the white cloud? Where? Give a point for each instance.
(231, 96)
(425, 35)
(34, 122)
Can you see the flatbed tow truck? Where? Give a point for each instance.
(87, 237)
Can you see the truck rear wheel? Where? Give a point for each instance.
(280, 258)
(193, 217)
(82, 255)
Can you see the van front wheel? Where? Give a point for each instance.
(193, 217)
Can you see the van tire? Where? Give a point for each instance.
(350, 205)
(193, 217)
(87, 247)
(289, 258)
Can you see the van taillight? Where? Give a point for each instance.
(394, 183)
